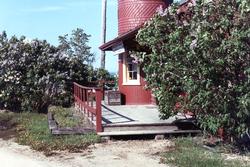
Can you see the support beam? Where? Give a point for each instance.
(103, 34)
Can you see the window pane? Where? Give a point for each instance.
(130, 59)
(130, 77)
(130, 67)
(135, 75)
(134, 68)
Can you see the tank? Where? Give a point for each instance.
(133, 13)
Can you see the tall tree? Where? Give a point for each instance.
(77, 46)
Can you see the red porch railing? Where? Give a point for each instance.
(88, 100)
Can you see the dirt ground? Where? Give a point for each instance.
(133, 153)
(110, 154)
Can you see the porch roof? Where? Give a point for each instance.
(124, 37)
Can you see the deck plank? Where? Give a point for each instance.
(148, 132)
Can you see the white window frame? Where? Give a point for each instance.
(127, 81)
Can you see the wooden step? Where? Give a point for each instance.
(139, 124)
(148, 132)
(71, 131)
(139, 127)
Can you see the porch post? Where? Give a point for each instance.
(98, 110)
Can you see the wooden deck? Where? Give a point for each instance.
(137, 120)
(123, 119)
(128, 120)
(131, 114)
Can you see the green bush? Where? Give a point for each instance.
(199, 61)
(35, 74)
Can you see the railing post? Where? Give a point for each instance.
(74, 94)
(98, 110)
(87, 94)
(81, 105)
(75, 98)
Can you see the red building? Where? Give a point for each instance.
(132, 14)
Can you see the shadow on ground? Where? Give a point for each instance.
(7, 126)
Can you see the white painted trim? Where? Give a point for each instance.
(125, 80)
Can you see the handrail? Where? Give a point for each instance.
(85, 87)
(103, 82)
(88, 100)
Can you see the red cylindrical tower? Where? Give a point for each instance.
(132, 13)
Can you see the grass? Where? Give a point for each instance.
(32, 129)
(65, 117)
(189, 154)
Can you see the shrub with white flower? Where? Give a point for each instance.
(35, 74)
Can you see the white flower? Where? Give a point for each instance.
(160, 10)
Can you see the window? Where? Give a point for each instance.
(131, 71)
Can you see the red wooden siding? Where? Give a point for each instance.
(133, 94)
(133, 13)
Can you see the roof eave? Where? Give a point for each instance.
(131, 34)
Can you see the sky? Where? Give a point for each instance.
(48, 19)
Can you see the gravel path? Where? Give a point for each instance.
(110, 154)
